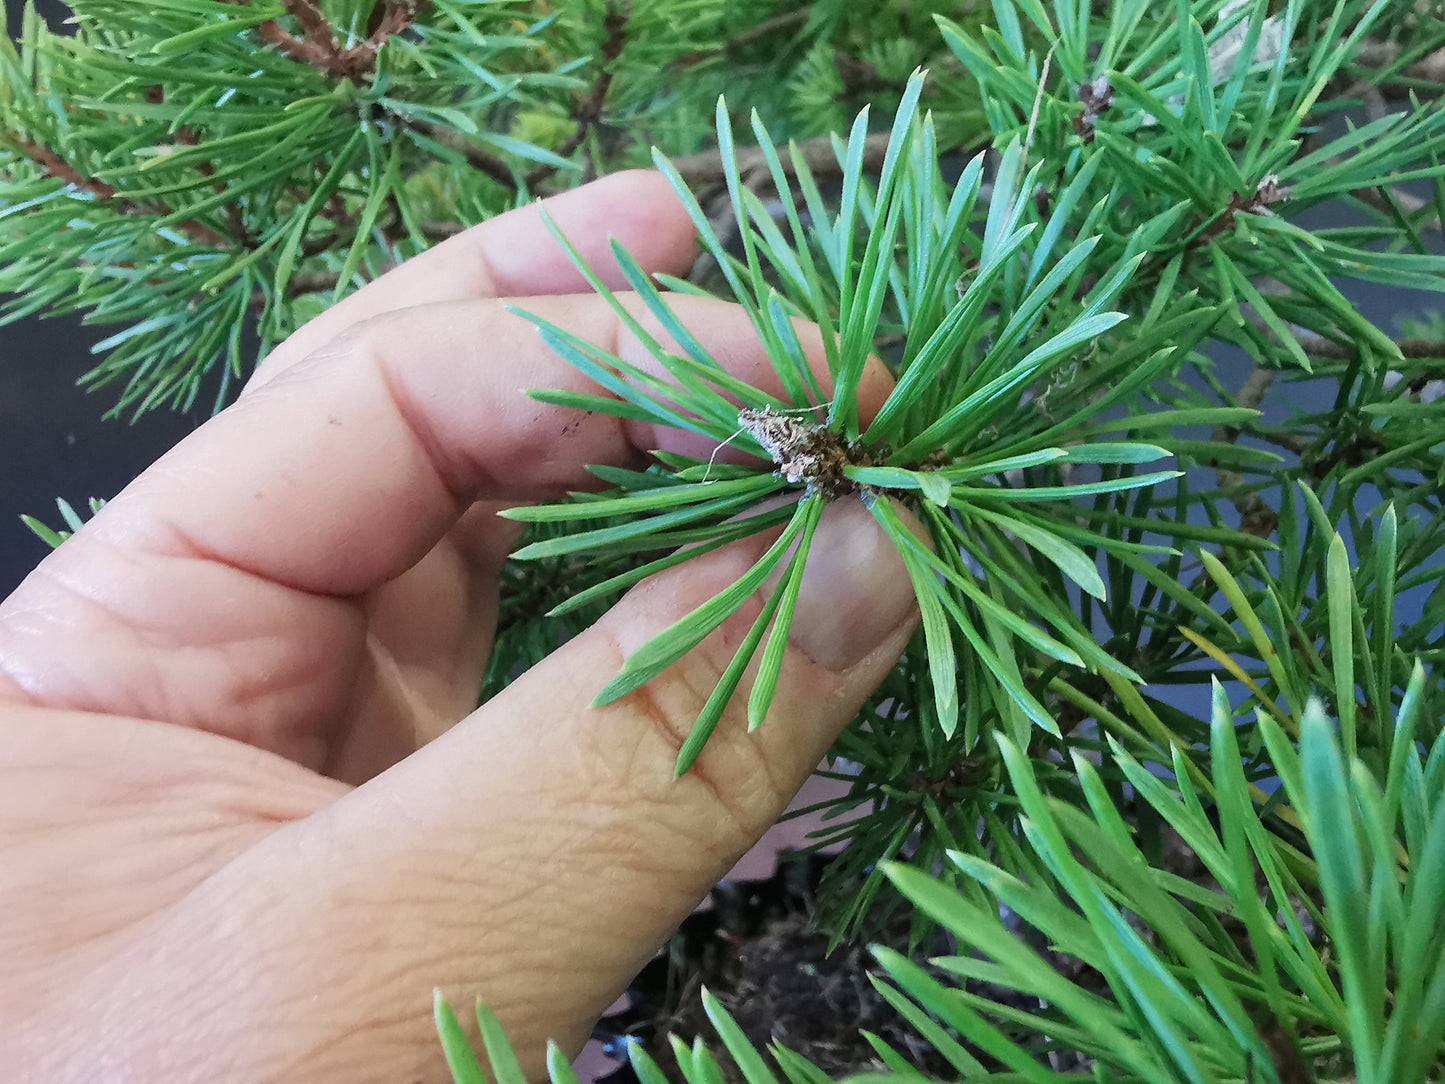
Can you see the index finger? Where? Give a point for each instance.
(340, 474)
(328, 482)
(514, 255)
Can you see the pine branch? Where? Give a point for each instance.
(1267, 192)
(1407, 203)
(186, 137)
(478, 157)
(60, 169)
(324, 57)
(1319, 347)
(57, 167)
(589, 109)
(788, 20)
(1256, 517)
(318, 46)
(313, 282)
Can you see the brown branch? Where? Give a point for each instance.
(1267, 192)
(589, 109)
(312, 282)
(1319, 347)
(738, 42)
(319, 47)
(57, 167)
(706, 167)
(60, 169)
(476, 155)
(297, 48)
(717, 207)
(1407, 203)
(1292, 442)
(186, 137)
(390, 18)
(313, 23)
(1256, 517)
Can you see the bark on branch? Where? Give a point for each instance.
(589, 109)
(57, 167)
(1319, 347)
(476, 155)
(1256, 517)
(318, 45)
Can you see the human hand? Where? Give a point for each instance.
(249, 817)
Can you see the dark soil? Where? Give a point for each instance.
(759, 953)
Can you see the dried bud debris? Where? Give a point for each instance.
(1042, 203)
(803, 450)
(1095, 97)
(1268, 191)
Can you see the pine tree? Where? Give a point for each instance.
(1057, 225)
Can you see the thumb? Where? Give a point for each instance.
(539, 853)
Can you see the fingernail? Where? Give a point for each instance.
(855, 590)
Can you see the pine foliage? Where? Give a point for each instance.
(208, 176)
(1165, 753)
(1047, 342)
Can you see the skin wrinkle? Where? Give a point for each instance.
(35, 683)
(432, 453)
(410, 964)
(483, 277)
(406, 702)
(219, 837)
(687, 684)
(475, 591)
(239, 671)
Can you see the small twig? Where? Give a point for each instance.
(1319, 347)
(1267, 192)
(1038, 100)
(307, 52)
(476, 155)
(60, 169)
(765, 29)
(589, 109)
(312, 282)
(318, 45)
(390, 19)
(1256, 517)
(1292, 442)
(57, 167)
(1408, 203)
(186, 136)
(313, 24)
(717, 205)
